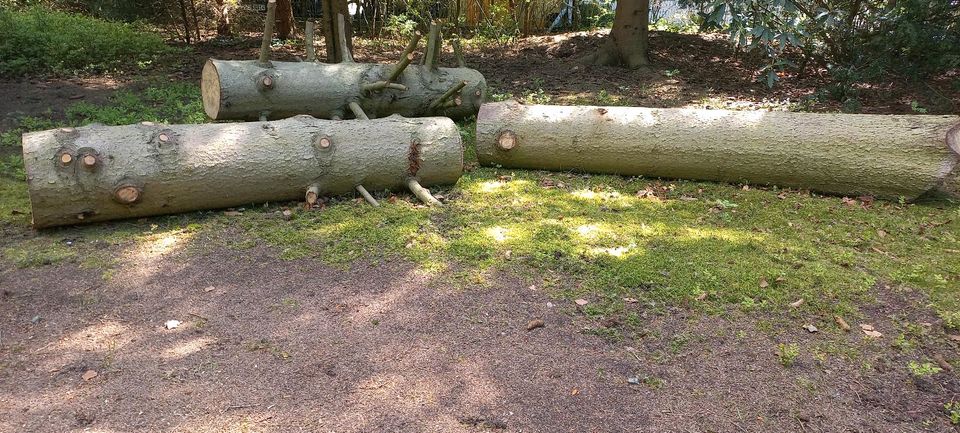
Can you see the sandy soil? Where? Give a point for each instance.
(278, 346)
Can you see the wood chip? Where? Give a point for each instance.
(763, 283)
(810, 328)
(209, 289)
(797, 303)
(581, 302)
(534, 324)
(841, 323)
(89, 374)
(631, 300)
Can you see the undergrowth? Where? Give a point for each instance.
(40, 40)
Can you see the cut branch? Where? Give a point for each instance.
(268, 33)
(448, 94)
(405, 58)
(433, 41)
(422, 193)
(366, 196)
(380, 85)
(357, 111)
(342, 40)
(458, 52)
(308, 41)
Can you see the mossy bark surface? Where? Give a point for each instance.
(235, 90)
(98, 173)
(887, 156)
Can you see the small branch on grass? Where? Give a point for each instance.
(366, 196)
(422, 193)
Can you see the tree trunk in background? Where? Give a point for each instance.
(196, 21)
(285, 21)
(627, 43)
(186, 21)
(223, 18)
(330, 34)
(884, 156)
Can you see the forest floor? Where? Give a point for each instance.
(665, 305)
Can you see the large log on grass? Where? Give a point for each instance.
(887, 156)
(97, 173)
(246, 89)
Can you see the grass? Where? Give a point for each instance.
(39, 40)
(706, 246)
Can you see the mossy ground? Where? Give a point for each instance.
(613, 240)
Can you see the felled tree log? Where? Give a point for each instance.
(244, 90)
(97, 173)
(849, 154)
(264, 89)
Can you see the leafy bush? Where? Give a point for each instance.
(857, 40)
(37, 40)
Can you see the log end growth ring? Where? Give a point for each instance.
(507, 140)
(210, 89)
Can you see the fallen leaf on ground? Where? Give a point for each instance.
(797, 303)
(810, 328)
(581, 302)
(763, 283)
(631, 300)
(90, 374)
(287, 214)
(209, 289)
(702, 296)
(574, 391)
(870, 331)
(841, 323)
(171, 324)
(534, 324)
(881, 233)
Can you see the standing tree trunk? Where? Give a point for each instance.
(196, 21)
(223, 18)
(627, 43)
(284, 19)
(331, 34)
(186, 22)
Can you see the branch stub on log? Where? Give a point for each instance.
(507, 140)
(66, 158)
(266, 82)
(127, 194)
(323, 142)
(89, 161)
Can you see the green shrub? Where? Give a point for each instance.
(37, 40)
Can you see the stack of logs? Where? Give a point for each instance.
(98, 173)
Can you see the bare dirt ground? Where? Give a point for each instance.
(277, 346)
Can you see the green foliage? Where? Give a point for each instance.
(39, 40)
(400, 26)
(951, 320)
(788, 354)
(168, 103)
(857, 40)
(953, 411)
(923, 369)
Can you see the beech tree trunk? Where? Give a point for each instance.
(235, 90)
(223, 18)
(850, 154)
(98, 173)
(285, 20)
(331, 33)
(626, 45)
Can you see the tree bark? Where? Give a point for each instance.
(186, 21)
(235, 90)
(850, 154)
(626, 45)
(99, 173)
(224, 27)
(196, 21)
(285, 20)
(331, 34)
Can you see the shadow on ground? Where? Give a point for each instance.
(268, 345)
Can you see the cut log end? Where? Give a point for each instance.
(323, 142)
(266, 82)
(89, 161)
(66, 159)
(210, 89)
(127, 194)
(507, 140)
